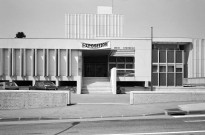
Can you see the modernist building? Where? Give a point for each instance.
(94, 56)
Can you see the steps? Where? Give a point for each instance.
(96, 85)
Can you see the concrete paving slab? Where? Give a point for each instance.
(193, 107)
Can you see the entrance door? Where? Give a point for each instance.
(95, 70)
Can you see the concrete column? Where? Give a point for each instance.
(174, 67)
(59, 62)
(12, 61)
(21, 62)
(70, 62)
(56, 62)
(44, 62)
(33, 63)
(79, 84)
(67, 63)
(113, 80)
(47, 62)
(24, 62)
(182, 66)
(158, 67)
(9, 62)
(1, 62)
(36, 62)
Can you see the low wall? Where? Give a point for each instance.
(147, 97)
(195, 81)
(177, 89)
(20, 99)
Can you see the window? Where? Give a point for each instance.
(121, 66)
(178, 69)
(112, 59)
(154, 68)
(129, 66)
(130, 59)
(120, 59)
(112, 66)
(170, 68)
(162, 69)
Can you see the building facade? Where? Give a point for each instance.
(95, 57)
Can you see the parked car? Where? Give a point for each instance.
(44, 85)
(9, 86)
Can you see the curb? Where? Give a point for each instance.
(177, 111)
(16, 121)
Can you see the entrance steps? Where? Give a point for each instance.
(96, 85)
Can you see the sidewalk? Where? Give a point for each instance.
(89, 106)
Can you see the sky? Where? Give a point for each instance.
(46, 18)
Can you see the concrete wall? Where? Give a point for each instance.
(195, 81)
(147, 97)
(196, 58)
(33, 99)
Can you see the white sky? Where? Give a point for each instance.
(45, 18)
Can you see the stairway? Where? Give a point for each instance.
(96, 85)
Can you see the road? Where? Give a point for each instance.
(177, 126)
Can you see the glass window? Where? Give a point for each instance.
(120, 59)
(112, 66)
(121, 66)
(129, 59)
(120, 72)
(154, 68)
(170, 68)
(112, 59)
(129, 73)
(129, 66)
(162, 69)
(162, 57)
(178, 69)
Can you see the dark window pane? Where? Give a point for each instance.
(170, 79)
(112, 66)
(178, 79)
(112, 59)
(155, 79)
(162, 56)
(129, 59)
(155, 56)
(154, 68)
(129, 66)
(121, 66)
(170, 56)
(120, 59)
(162, 69)
(170, 68)
(178, 56)
(162, 79)
(178, 69)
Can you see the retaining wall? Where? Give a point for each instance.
(147, 97)
(20, 99)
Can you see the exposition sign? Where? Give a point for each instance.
(104, 45)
